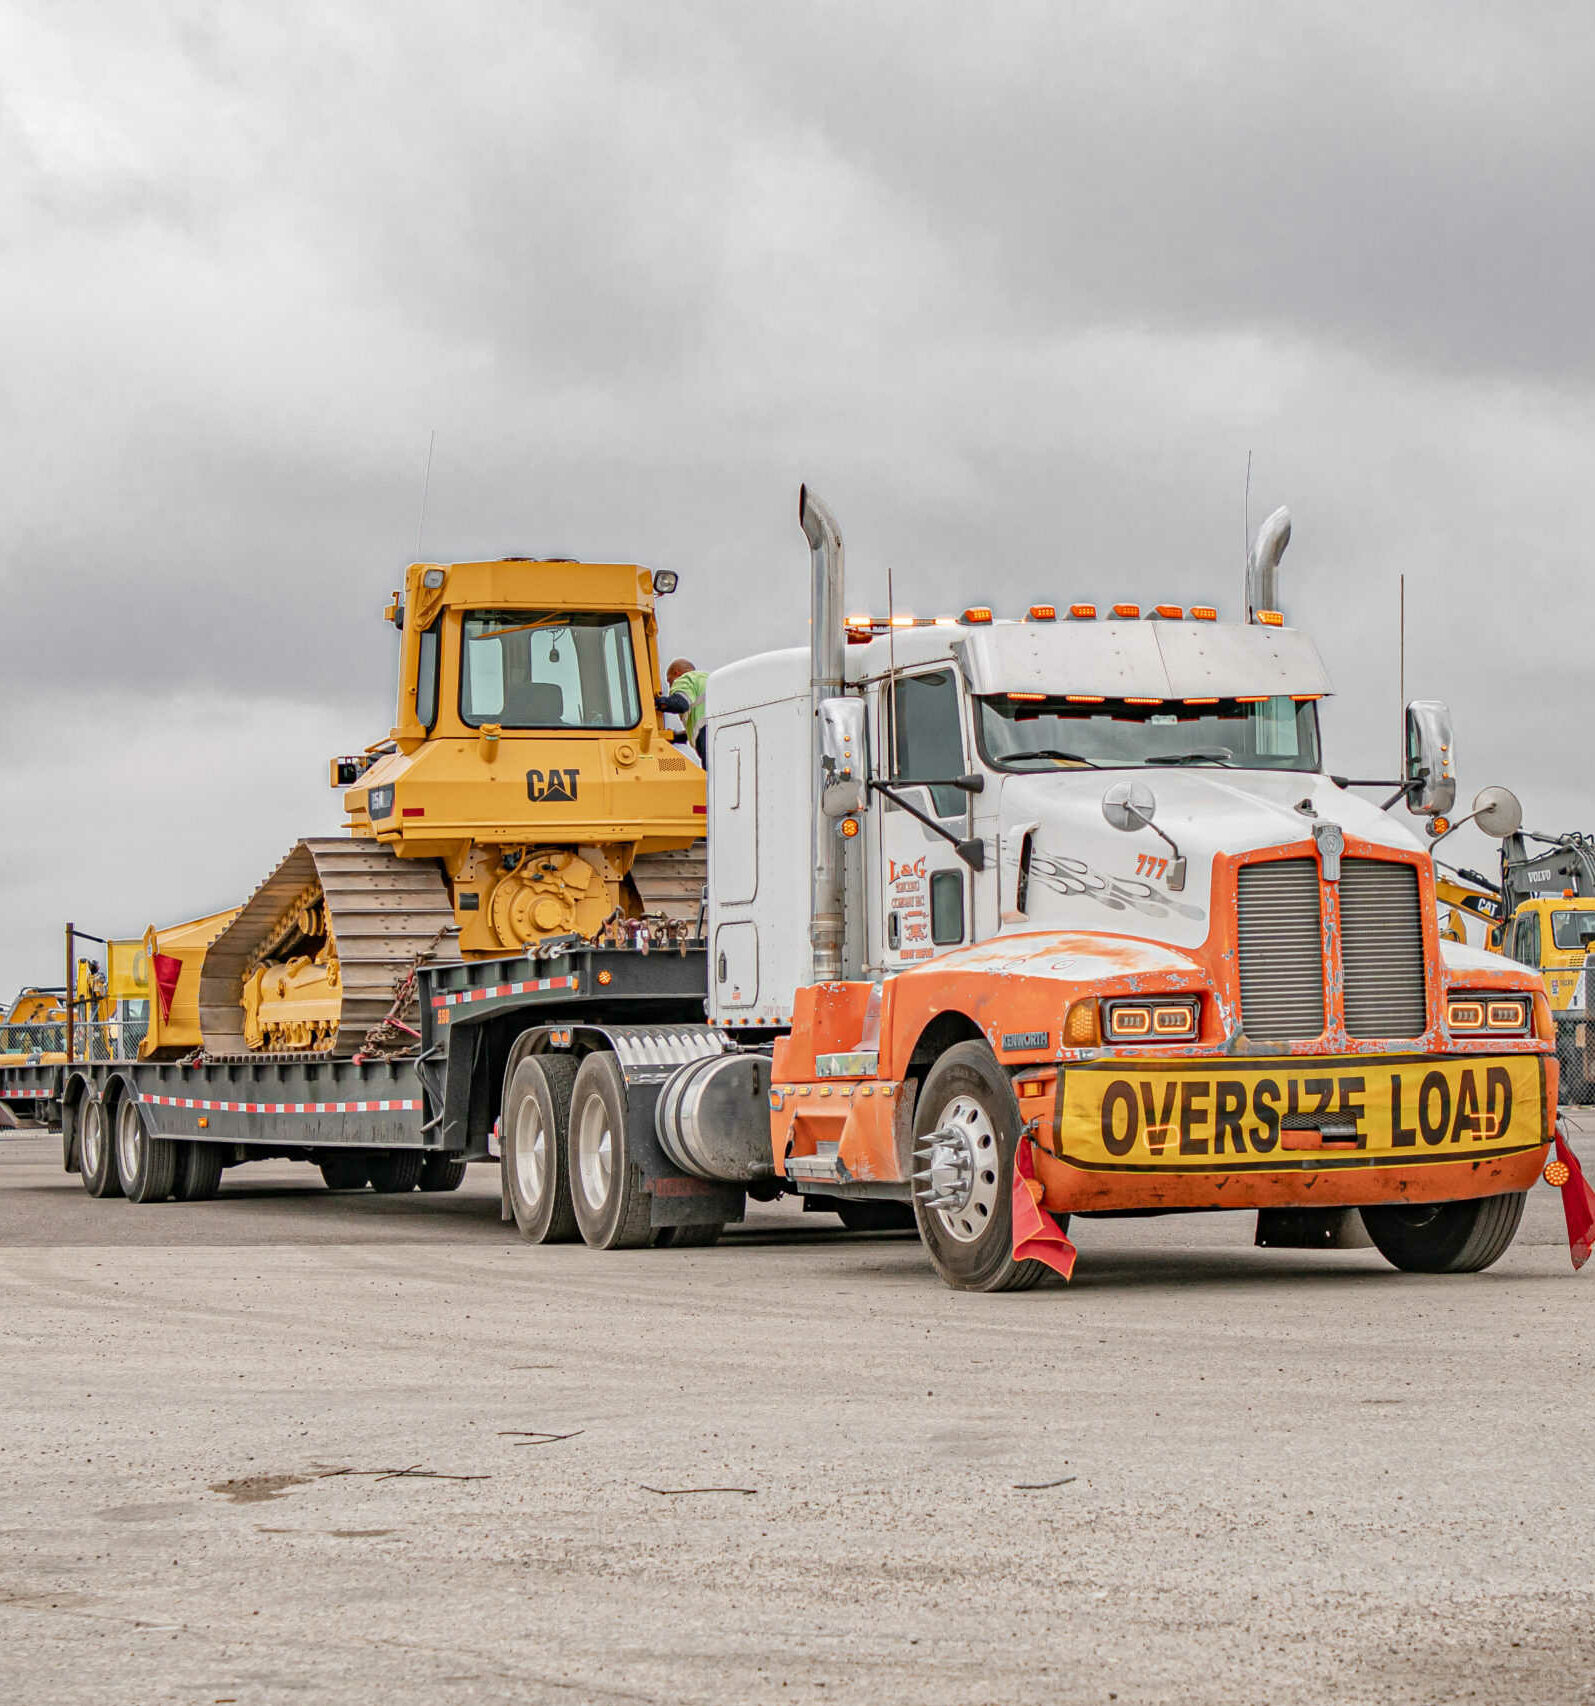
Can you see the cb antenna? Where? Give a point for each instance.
(1246, 513)
(891, 659)
(426, 486)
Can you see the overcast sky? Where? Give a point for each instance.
(1015, 289)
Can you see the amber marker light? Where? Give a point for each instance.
(1032, 1089)
(902, 621)
(1204, 613)
(1131, 700)
(1083, 612)
(1029, 698)
(1127, 610)
(606, 977)
(1169, 612)
(1201, 701)
(1085, 698)
(1043, 613)
(1557, 1173)
(1271, 618)
(848, 827)
(1081, 1028)
(976, 614)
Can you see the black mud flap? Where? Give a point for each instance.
(1312, 1229)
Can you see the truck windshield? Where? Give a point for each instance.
(546, 669)
(1573, 930)
(1024, 731)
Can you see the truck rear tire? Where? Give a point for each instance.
(442, 1173)
(968, 1095)
(146, 1165)
(199, 1172)
(96, 1151)
(1445, 1237)
(345, 1170)
(606, 1189)
(393, 1172)
(536, 1162)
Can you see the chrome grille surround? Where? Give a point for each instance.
(1381, 949)
(1280, 950)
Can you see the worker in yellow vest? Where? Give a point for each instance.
(685, 700)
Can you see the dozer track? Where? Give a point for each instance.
(381, 914)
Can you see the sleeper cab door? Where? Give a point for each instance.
(734, 869)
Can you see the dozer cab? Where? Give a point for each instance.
(528, 791)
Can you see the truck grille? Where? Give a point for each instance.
(1381, 948)
(1280, 947)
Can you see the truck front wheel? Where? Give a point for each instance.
(966, 1128)
(612, 1208)
(1445, 1237)
(535, 1158)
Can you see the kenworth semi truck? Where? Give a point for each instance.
(1009, 918)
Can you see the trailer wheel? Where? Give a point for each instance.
(345, 1170)
(612, 1208)
(96, 1152)
(1445, 1237)
(199, 1172)
(442, 1172)
(967, 1114)
(395, 1171)
(145, 1164)
(536, 1154)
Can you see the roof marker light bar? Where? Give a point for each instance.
(1129, 611)
(1083, 612)
(902, 621)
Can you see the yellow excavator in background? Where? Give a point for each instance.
(528, 790)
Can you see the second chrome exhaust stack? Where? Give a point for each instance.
(826, 653)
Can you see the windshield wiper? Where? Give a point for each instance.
(1200, 755)
(1054, 752)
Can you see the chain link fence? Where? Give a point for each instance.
(92, 1039)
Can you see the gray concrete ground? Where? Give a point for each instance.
(1203, 1473)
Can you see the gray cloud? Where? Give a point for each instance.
(1017, 292)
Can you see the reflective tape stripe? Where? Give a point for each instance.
(25, 1095)
(531, 987)
(197, 1102)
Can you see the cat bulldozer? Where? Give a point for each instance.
(528, 791)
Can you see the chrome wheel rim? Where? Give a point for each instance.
(595, 1152)
(531, 1150)
(964, 1120)
(92, 1136)
(129, 1140)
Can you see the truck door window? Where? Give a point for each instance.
(947, 907)
(929, 741)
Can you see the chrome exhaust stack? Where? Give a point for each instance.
(826, 652)
(1262, 566)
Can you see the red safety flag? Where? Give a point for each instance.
(167, 972)
(1037, 1237)
(1578, 1200)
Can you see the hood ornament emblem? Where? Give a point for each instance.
(1331, 841)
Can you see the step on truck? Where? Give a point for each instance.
(1010, 918)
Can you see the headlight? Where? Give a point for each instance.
(1150, 1021)
(1488, 1015)
(379, 801)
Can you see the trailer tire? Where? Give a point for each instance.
(345, 1170)
(1445, 1237)
(96, 1151)
(395, 1171)
(442, 1172)
(606, 1189)
(972, 1249)
(146, 1165)
(199, 1172)
(535, 1149)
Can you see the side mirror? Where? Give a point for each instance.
(845, 769)
(1498, 812)
(1430, 776)
(1133, 805)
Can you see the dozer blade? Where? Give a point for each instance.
(382, 914)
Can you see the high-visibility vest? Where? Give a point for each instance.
(693, 684)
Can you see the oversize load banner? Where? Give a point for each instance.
(1218, 1116)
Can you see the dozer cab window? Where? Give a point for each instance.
(426, 678)
(1032, 731)
(1573, 931)
(545, 669)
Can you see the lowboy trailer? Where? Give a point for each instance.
(1021, 989)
